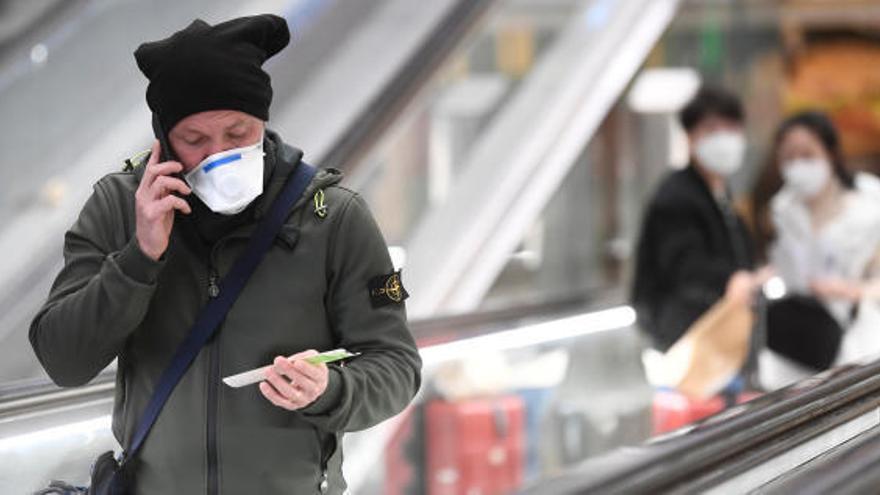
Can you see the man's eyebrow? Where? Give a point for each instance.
(236, 124)
(189, 134)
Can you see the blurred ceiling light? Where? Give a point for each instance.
(39, 54)
(530, 335)
(663, 90)
(599, 13)
(53, 192)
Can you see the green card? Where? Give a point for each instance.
(331, 356)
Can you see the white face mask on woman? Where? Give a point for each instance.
(722, 152)
(227, 182)
(806, 176)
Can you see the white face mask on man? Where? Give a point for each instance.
(227, 182)
(722, 152)
(806, 176)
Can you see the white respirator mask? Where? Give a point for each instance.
(806, 176)
(722, 152)
(227, 182)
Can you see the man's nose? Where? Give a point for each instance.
(214, 148)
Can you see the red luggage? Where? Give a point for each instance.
(672, 409)
(475, 447)
(404, 456)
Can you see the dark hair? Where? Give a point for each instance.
(711, 101)
(770, 178)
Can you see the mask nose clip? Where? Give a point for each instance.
(230, 180)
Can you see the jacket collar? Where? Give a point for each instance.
(700, 181)
(286, 159)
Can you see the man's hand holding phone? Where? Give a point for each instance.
(155, 203)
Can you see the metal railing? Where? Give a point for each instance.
(26, 396)
(730, 446)
(850, 469)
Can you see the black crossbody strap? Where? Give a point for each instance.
(216, 309)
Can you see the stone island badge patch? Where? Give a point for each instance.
(387, 289)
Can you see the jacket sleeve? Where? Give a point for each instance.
(384, 378)
(97, 300)
(685, 258)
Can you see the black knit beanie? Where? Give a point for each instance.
(206, 67)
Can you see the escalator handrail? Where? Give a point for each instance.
(379, 113)
(772, 458)
(46, 395)
(680, 457)
(851, 468)
(16, 397)
(472, 324)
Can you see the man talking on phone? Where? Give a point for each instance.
(151, 248)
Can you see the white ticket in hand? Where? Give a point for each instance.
(259, 374)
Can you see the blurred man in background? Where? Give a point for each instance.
(694, 249)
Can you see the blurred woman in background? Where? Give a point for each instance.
(819, 226)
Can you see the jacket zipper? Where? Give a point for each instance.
(213, 284)
(214, 378)
(324, 482)
(213, 402)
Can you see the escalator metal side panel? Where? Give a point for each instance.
(848, 468)
(329, 102)
(526, 153)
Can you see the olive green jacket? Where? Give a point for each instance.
(312, 290)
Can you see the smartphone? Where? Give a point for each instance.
(166, 153)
